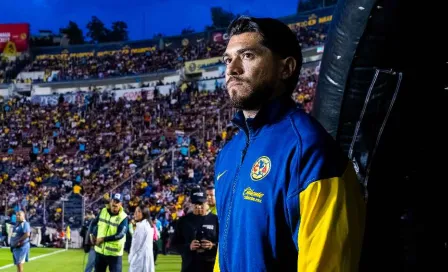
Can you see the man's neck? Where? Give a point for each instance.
(253, 113)
(112, 213)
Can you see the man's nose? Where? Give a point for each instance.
(235, 67)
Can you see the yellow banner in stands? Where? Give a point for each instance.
(10, 49)
(193, 67)
(127, 50)
(143, 50)
(312, 20)
(65, 55)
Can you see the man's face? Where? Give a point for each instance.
(252, 71)
(211, 197)
(20, 216)
(115, 206)
(200, 209)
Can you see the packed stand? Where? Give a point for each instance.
(306, 88)
(311, 36)
(186, 116)
(9, 69)
(123, 63)
(90, 147)
(117, 64)
(188, 120)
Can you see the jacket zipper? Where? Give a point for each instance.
(229, 211)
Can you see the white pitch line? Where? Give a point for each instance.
(35, 258)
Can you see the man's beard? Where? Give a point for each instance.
(254, 100)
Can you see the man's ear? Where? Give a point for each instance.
(289, 66)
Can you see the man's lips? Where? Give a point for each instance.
(234, 83)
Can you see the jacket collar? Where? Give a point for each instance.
(273, 111)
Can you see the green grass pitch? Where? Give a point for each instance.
(72, 261)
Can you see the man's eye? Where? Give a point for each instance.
(248, 55)
(227, 61)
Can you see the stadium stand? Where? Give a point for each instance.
(10, 69)
(121, 59)
(66, 145)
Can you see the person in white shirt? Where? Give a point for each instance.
(141, 256)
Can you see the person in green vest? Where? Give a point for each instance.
(111, 226)
(211, 200)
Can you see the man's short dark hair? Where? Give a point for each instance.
(277, 36)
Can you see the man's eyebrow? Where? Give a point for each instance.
(242, 50)
(253, 49)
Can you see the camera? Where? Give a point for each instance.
(200, 235)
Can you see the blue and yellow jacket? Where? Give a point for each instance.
(287, 198)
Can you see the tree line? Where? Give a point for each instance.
(98, 32)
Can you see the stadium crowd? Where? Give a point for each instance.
(91, 148)
(306, 88)
(311, 36)
(10, 68)
(123, 63)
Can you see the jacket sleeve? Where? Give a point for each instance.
(121, 232)
(93, 227)
(88, 232)
(327, 212)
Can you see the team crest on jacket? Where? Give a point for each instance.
(260, 169)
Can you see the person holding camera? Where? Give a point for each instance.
(196, 236)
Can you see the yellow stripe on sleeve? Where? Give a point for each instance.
(216, 267)
(332, 225)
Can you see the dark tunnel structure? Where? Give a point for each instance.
(381, 96)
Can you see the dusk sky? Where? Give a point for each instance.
(144, 17)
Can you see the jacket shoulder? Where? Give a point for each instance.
(307, 128)
(320, 157)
